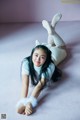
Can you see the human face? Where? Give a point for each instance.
(39, 57)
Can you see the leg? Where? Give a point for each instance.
(56, 19)
(58, 54)
(47, 26)
(53, 37)
(56, 39)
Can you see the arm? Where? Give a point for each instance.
(25, 85)
(34, 95)
(38, 88)
(24, 92)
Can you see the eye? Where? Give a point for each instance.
(36, 55)
(43, 57)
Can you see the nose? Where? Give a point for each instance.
(38, 58)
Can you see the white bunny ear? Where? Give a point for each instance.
(37, 42)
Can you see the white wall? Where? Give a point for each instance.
(36, 10)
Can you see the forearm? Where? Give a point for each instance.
(33, 98)
(24, 91)
(36, 92)
(38, 88)
(25, 85)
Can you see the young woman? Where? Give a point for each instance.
(42, 70)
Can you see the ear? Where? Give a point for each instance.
(37, 42)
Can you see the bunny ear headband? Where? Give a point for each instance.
(38, 43)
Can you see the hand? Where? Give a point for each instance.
(28, 109)
(21, 109)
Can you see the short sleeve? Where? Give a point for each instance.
(50, 70)
(25, 67)
(43, 76)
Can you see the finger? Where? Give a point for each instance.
(28, 111)
(29, 107)
(23, 113)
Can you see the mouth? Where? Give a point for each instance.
(37, 63)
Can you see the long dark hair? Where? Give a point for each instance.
(44, 66)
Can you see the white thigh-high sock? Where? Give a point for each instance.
(56, 18)
(25, 101)
(58, 54)
(58, 41)
(47, 26)
(50, 27)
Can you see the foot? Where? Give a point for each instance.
(56, 19)
(47, 26)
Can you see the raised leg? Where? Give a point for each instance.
(58, 52)
(56, 39)
(56, 18)
(47, 26)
